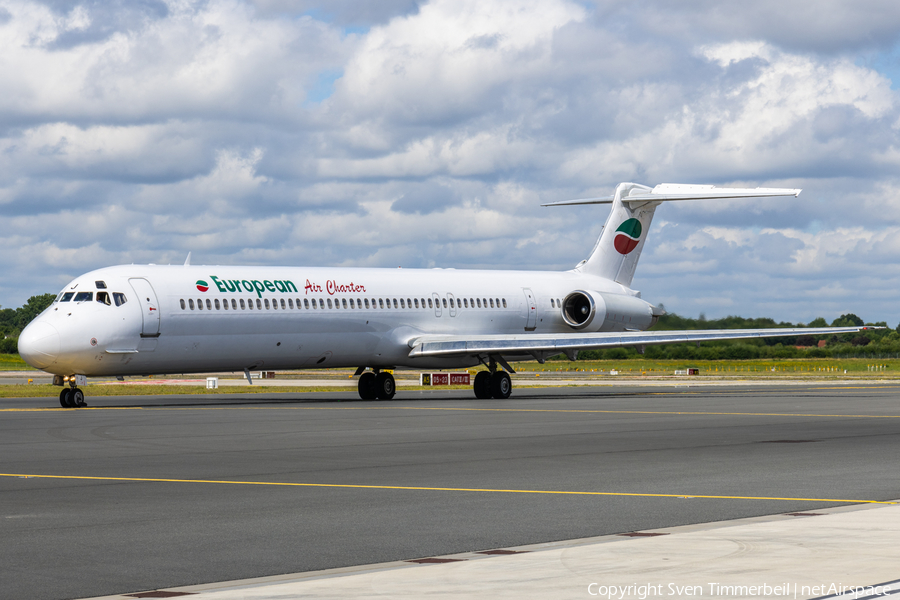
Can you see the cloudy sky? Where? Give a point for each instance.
(426, 134)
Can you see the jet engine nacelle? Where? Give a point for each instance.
(595, 311)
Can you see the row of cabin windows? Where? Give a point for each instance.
(102, 297)
(558, 304)
(319, 303)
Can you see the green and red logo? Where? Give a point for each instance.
(628, 236)
(203, 286)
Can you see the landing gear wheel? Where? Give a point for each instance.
(367, 388)
(482, 385)
(64, 396)
(501, 385)
(385, 387)
(78, 397)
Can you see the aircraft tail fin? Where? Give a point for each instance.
(615, 255)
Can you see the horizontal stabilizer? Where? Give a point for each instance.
(675, 191)
(548, 343)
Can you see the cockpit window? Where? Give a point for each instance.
(84, 297)
(66, 296)
(119, 298)
(101, 285)
(103, 298)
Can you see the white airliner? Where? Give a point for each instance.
(150, 319)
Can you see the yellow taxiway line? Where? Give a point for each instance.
(456, 409)
(435, 489)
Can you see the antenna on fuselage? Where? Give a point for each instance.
(187, 261)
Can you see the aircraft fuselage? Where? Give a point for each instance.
(208, 318)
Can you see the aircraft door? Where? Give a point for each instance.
(452, 302)
(149, 307)
(437, 304)
(531, 307)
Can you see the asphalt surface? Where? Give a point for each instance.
(212, 512)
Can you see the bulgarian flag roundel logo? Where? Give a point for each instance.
(628, 235)
(203, 286)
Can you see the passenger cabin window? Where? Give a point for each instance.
(430, 303)
(182, 304)
(103, 298)
(381, 303)
(101, 285)
(492, 303)
(208, 304)
(242, 304)
(199, 304)
(84, 297)
(191, 303)
(344, 302)
(504, 303)
(217, 305)
(416, 301)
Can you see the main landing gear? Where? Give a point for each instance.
(71, 398)
(378, 385)
(493, 383)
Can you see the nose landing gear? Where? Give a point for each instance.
(71, 398)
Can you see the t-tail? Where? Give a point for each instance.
(616, 253)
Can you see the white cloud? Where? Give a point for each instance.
(139, 134)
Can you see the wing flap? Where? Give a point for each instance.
(445, 345)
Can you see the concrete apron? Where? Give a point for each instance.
(819, 553)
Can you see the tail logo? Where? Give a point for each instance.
(203, 286)
(628, 236)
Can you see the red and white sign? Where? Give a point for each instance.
(444, 379)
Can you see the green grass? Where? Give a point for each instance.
(45, 390)
(751, 368)
(821, 368)
(12, 362)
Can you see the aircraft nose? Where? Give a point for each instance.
(39, 344)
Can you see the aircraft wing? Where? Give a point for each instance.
(550, 344)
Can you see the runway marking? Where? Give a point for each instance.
(445, 408)
(437, 489)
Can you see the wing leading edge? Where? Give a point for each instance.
(544, 345)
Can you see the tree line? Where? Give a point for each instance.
(873, 343)
(14, 320)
